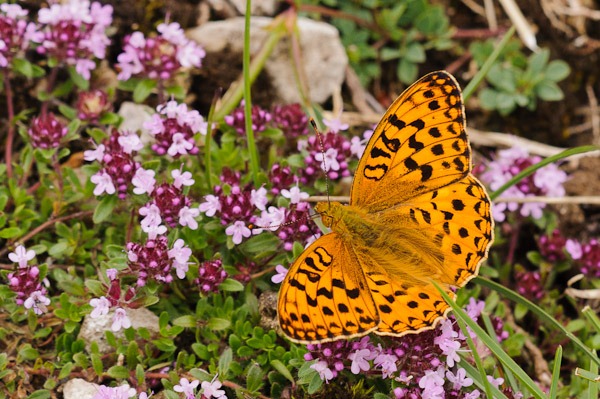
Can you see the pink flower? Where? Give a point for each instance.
(574, 249)
(328, 160)
(295, 195)
(280, 276)
(38, 301)
(460, 379)
(187, 217)
(120, 320)
(120, 392)
(211, 206)
(211, 389)
(143, 181)
(335, 125)
(101, 307)
(180, 252)
(94, 155)
(258, 198)
(238, 231)
(21, 256)
(360, 360)
(322, 368)
(187, 388)
(152, 216)
(387, 362)
(181, 179)
(130, 142)
(104, 183)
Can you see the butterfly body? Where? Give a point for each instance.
(416, 215)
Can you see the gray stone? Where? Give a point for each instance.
(78, 388)
(323, 56)
(92, 330)
(258, 7)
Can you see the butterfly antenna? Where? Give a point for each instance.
(324, 167)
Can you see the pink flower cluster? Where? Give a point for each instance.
(174, 127)
(547, 181)
(260, 119)
(74, 32)
(155, 261)
(427, 364)
(16, 33)
(237, 205)
(25, 282)
(332, 156)
(208, 390)
(210, 275)
(118, 165)
(586, 256)
(46, 131)
(158, 57)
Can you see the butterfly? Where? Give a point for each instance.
(416, 215)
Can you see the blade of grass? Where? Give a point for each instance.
(487, 387)
(494, 347)
(543, 316)
(591, 316)
(530, 170)
(487, 65)
(490, 329)
(593, 385)
(555, 373)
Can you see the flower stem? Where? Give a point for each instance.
(11, 127)
(254, 163)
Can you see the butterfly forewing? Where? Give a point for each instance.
(419, 145)
(325, 295)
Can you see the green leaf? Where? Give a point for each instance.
(67, 112)
(185, 321)
(218, 324)
(143, 90)
(415, 53)
(407, 71)
(254, 379)
(58, 249)
(95, 287)
(26, 68)
(104, 208)
(110, 118)
(537, 63)
(315, 384)
(279, 366)
(10, 232)
(231, 285)
(225, 361)
(557, 70)
(66, 370)
(97, 364)
(118, 372)
(549, 91)
(40, 394)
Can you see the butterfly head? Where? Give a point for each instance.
(330, 212)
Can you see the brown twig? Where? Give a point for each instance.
(43, 227)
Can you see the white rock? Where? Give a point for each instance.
(92, 330)
(323, 56)
(258, 7)
(78, 388)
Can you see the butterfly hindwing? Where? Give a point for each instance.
(419, 145)
(325, 295)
